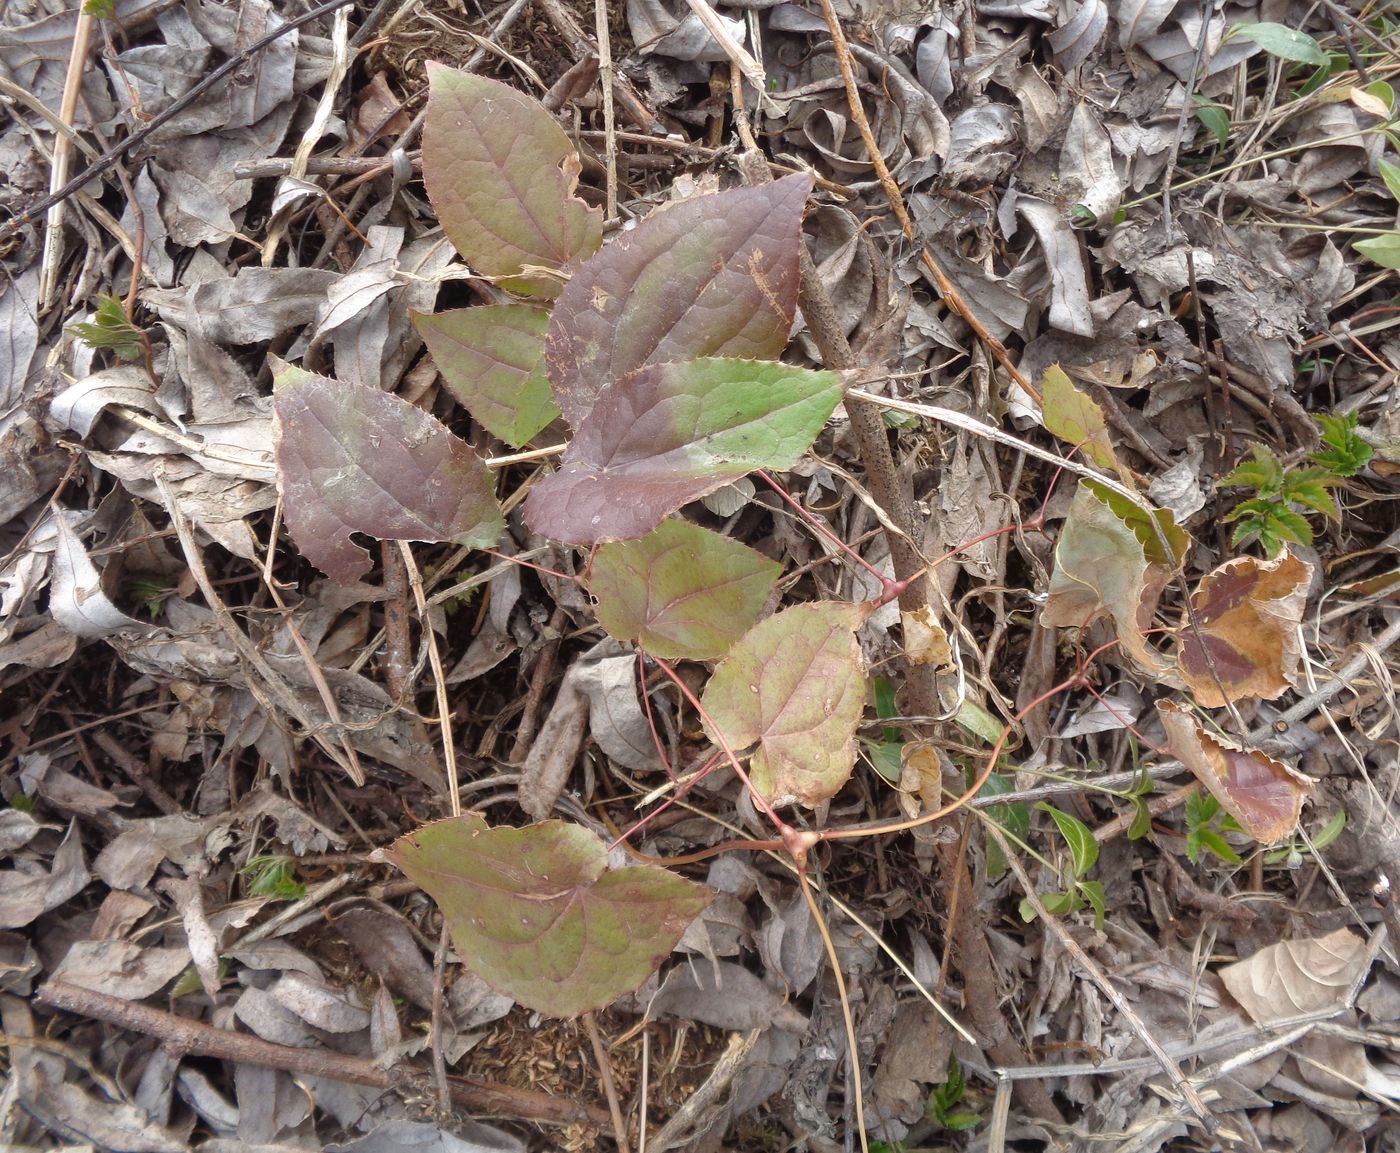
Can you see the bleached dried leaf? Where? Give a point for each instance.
(1297, 977)
(121, 968)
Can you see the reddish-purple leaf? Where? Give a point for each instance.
(794, 686)
(1264, 795)
(681, 591)
(1244, 642)
(536, 913)
(713, 276)
(501, 175)
(355, 459)
(670, 433)
(492, 359)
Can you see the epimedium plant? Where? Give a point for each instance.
(658, 350)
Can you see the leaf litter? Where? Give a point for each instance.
(212, 749)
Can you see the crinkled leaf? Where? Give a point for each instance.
(1245, 640)
(537, 914)
(670, 433)
(1112, 558)
(1264, 796)
(713, 276)
(492, 359)
(681, 591)
(501, 175)
(355, 459)
(795, 687)
(1076, 418)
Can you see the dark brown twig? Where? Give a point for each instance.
(200, 1040)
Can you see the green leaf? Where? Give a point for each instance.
(1344, 453)
(1284, 42)
(111, 330)
(1076, 418)
(1216, 121)
(1014, 818)
(1083, 849)
(501, 175)
(537, 914)
(492, 358)
(681, 591)
(1211, 842)
(356, 459)
(1390, 173)
(795, 687)
(1330, 831)
(670, 433)
(1383, 250)
(1092, 891)
(1142, 820)
(973, 718)
(1264, 472)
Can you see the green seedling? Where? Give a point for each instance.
(110, 329)
(1206, 825)
(1078, 893)
(272, 876)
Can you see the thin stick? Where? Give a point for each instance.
(605, 78)
(197, 1039)
(58, 169)
(449, 745)
(852, 1048)
(600, 1054)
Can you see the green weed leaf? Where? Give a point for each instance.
(109, 329)
(1383, 250)
(537, 914)
(1083, 849)
(1284, 42)
(1076, 418)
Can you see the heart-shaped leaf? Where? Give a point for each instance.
(1245, 639)
(681, 591)
(501, 175)
(794, 686)
(670, 433)
(1264, 795)
(356, 459)
(536, 913)
(712, 276)
(1111, 558)
(492, 359)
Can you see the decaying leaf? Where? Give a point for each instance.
(1076, 418)
(795, 687)
(501, 175)
(1112, 558)
(538, 915)
(355, 459)
(713, 276)
(681, 591)
(1244, 642)
(492, 359)
(670, 433)
(1293, 978)
(1264, 795)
